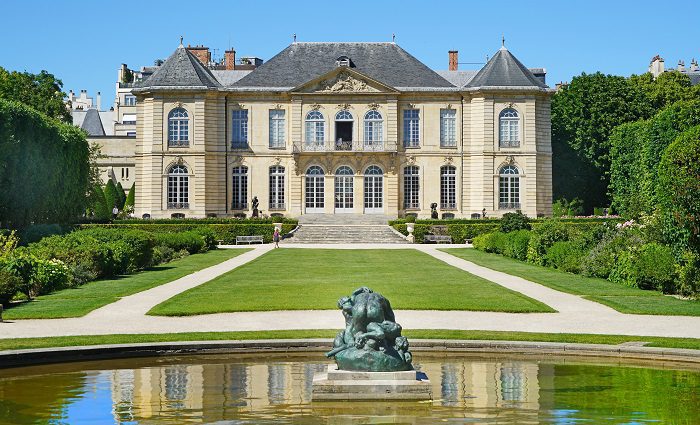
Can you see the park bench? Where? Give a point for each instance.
(437, 234)
(249, 239)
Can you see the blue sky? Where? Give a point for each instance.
(83, 42)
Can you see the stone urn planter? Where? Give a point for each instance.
(410, 227)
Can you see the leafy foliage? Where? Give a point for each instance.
(111, 195)
(679, 184)
(121, 196)
(42, 92)
(667, 88)
(43, 168)
(514, 221)
(651, 266)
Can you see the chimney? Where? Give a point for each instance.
(693, 65)
(656, 67)
(202, 53)
(230, 59)
(453, 60)
(681, 66)
(99, 101)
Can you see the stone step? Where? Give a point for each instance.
(317, 233)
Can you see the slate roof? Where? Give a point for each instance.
(181, 70)
(92, 123)
(228, 77)
(302, 62)
(504, 70)
(458, 78)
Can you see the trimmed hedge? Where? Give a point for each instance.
(238, 221)
(459, 232)
(226, 233)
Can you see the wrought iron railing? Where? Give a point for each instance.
(240, 145)
(178, 205)
(277, 206)
(411, 143)
(509, 143)
(509, 205)
(345, 146)
(178, 143)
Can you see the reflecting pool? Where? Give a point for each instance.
(267, 389)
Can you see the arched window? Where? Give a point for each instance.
(374, 189)
(343, 115)
(344, 189)
(315, 131)
(448, 187)
(509, 124)
(178, 187)
(277, 187)
(315, 189)
(178, 128)
(373, 131)
(411, 187)
(239, 199)
(343, 130)
(508, 187)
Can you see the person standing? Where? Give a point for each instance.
(115, 212)
(276, 237)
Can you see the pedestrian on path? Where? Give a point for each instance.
(276, 237)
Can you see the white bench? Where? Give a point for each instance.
(249, 239)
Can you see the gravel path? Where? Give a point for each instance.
(575, 314)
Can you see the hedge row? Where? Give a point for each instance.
(498, 220)
(240, 221)
(460, 232)
(225, 233)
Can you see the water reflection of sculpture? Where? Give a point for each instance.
(371, 340)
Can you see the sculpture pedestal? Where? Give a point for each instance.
(370, 386)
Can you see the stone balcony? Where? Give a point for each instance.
(345, 146)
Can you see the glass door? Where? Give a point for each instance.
(314, 190)
(344, 190)
(374, 190)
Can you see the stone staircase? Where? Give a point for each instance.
(345, 228)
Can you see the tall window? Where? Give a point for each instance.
(277, 187)
(411, 128)
(315, 189)
(239, 185)
(509, 188)
(373, 130)
(178, 128)
(448, 187)
(509, 125)
(344, 197)
(239, 127)
(411, 187)
(448, 136)
(178, 187)
(277, 124)
(315, 130)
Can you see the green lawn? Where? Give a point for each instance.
(82, 300)
(314, 279)
(72, 341)
(622, 298)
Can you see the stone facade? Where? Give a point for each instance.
(214, 147)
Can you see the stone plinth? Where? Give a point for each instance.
(376, 386)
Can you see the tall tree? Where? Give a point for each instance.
(584, 114)
(41, 91)
(667, 88)
(44, 167)
(122, 196)
(111, 195)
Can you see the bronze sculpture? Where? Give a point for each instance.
(371, 340)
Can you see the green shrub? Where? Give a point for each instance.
(162, 254)
(9, 286)
(566, 255)
(511, 222)
(49, 276)
(8, 242)
(37, 232)
(650, 266)
(222, 232)
(688, 275)
(543, 237)
(516, 244)
(602, 258)
(190, 241)
(494, 242)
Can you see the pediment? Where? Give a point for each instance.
(343, 80)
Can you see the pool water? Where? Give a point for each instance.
(263, 389)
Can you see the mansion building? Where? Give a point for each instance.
(337, 128)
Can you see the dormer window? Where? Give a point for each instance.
(343, 61)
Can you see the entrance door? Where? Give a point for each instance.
(314, 190)
(344, 190)
(374, 190)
